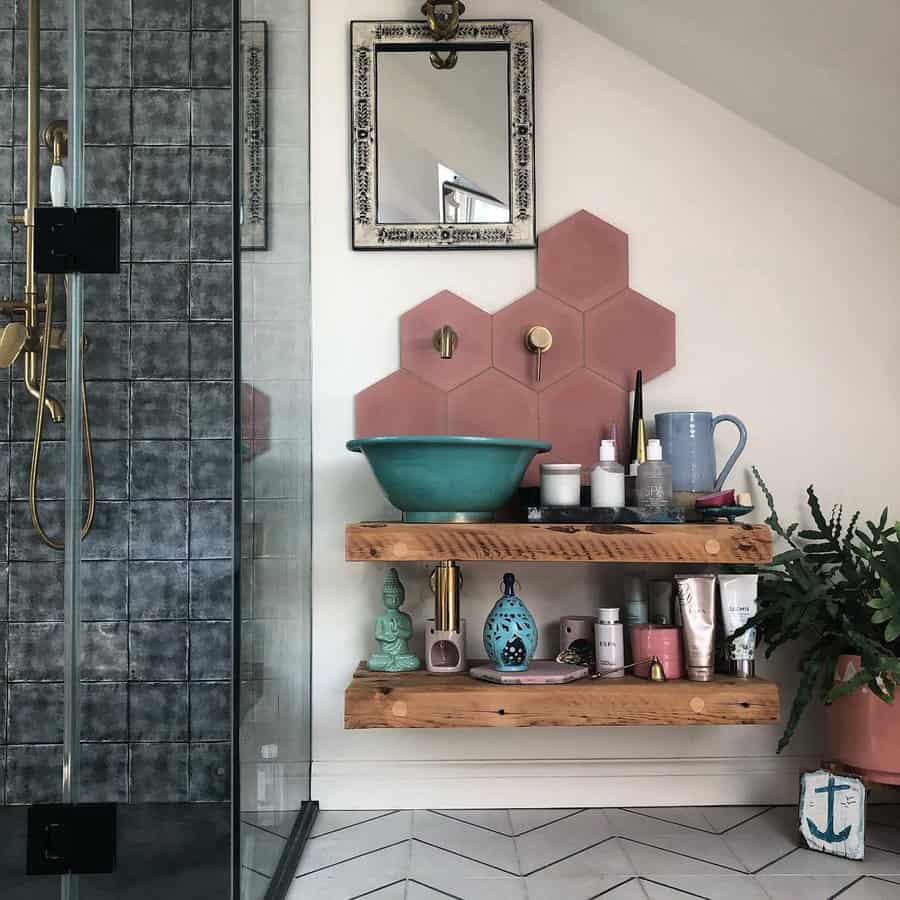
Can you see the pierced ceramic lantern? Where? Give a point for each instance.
(510, 632)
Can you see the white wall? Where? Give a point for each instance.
(784, 276)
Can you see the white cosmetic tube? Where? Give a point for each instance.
(739, 605)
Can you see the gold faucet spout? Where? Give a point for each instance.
(445, 341)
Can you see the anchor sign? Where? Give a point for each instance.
(829, 833)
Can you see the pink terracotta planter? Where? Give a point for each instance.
(864, 732)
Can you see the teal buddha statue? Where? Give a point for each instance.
(393, 629)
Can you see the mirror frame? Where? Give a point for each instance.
(516, 36)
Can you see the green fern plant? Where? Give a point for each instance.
(836, 589)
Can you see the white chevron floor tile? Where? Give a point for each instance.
(461, 878)
(332, 820)
(811, 862)
(562, 838)
(582, 876)
(260, 850)
(872, 889)
(416, 891)
(670, 836)
(528, 819)
(253, 885)
(337, 846)
(766, 838)
(279, 822)
(724, 817)
(493, 819)
(714, 887)
(689, 817)
(467, 840)
(355, 877)
(790, 887)
(631, 890)
(654, 861)
(395, 891)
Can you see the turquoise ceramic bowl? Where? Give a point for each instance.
(448, 479)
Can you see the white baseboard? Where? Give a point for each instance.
(537, 784)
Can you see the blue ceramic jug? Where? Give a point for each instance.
(510, 633)
(689, 447)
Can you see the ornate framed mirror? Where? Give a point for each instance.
(442, 136)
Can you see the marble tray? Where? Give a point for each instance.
(541, 671)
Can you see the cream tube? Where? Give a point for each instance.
(697, 601)
(739, 605)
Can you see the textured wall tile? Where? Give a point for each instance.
(160, 291)
(104, 590)
(400, 404)
(211, 589)
(104, 712)
(158, 590)
(35, 714)
(104, 773)
(110, 469)
(107, 58)
(210, 651)
(159, 410)
(54, 71)
(6, 186)
(107, 118)
(162, 117)
(106, 297)
(53, 14)
(161, 14)
(6, 57)
(212, 413)
(159, 470)
(211, 59)
(108, 403)
(107, 14)
(36, 592)
(107, 356)
(54, 104)
(211, 117)
(161, 233)
(35, 652)
(24, 544)
(161, 58)
(211, 232)
(159, 773)
(109, 537)
(34, 774)
(210, 711)
(211, 350)
(211, 175)
(162, 174)
(212, 469)
(104, 651)
(159, 351)
(211, 529)
(158, 651)
(159, 529)
(6, 117)
(212, 291)
(211, 14)
(158, 712)
(210, 774)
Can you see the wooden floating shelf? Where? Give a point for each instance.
(420, 700)
(521, 542)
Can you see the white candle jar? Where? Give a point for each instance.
(560, 484)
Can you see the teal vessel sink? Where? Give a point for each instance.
(448, 478)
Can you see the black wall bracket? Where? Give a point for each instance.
(76, 240)
(79, 838)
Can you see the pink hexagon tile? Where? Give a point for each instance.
(512, 324)
(493, 405)
(472, 354)
(628, 333)
(583, 261)
(574, 416)
(400, 404)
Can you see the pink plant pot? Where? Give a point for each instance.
(663, 641)
(862, 731)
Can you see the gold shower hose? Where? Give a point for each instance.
(39, 429)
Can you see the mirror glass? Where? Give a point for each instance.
(443, 138)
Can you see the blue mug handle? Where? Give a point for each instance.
(742, 443)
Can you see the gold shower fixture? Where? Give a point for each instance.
(34, 337)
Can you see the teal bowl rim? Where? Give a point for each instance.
(451, 440)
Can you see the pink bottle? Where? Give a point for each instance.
(661, 641)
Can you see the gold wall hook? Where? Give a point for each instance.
(56, 140)
(443, 18)
(444, 63)
(12, 342)
(445, 341)
(538, 340)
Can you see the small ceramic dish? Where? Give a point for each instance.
(713, 513)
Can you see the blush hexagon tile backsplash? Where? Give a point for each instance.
(512, 324)
(583, 261)
(630, 332)
(472, 354)
(603, 333)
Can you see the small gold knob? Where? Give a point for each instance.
(538, 340)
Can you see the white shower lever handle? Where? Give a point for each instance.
(58, 186)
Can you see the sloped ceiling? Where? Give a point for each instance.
(822, 75)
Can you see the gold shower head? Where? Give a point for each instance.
(12, 340)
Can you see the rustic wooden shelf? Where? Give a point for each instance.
(521, 542)
(420, 700)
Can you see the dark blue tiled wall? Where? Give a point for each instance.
(157, 571)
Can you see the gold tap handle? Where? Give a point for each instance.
(538, 340)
